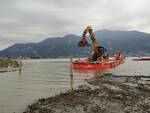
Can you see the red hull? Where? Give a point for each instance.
(142, 59)
(105, 64)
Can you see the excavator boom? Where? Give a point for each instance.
(84, 42)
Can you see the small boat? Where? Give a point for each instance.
(99, 64)
(141, 59)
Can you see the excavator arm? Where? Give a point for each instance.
(98, 51)
(84, 42)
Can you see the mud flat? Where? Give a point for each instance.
(107, 94)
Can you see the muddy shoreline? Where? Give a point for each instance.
(107, 94)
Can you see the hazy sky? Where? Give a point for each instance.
(34, 20)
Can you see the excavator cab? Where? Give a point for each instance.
(101, 52)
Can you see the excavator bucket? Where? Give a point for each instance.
(83, 42)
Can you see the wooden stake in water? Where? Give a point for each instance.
(20, 64)
(102, 61)
(71, 74)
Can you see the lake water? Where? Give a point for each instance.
(48, 77)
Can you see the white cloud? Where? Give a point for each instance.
(34, 20)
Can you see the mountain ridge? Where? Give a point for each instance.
(131, 43)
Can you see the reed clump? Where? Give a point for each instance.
(6, 62)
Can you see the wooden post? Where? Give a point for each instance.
(20, 64)
(71, 75)
(102, 61)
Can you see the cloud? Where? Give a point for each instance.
(35, 20)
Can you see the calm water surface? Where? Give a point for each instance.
(48, 77)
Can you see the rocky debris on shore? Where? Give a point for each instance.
(107, 94)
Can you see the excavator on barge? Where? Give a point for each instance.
(99, 57)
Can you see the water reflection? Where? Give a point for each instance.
(8, 69)
(38, 78)
(48, 77)
(88, 74)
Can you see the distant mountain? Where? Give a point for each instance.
(131, 43)
(50, 47)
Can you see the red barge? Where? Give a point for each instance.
(99, 59)
(99, 64)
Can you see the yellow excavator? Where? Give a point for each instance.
(98, 51)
